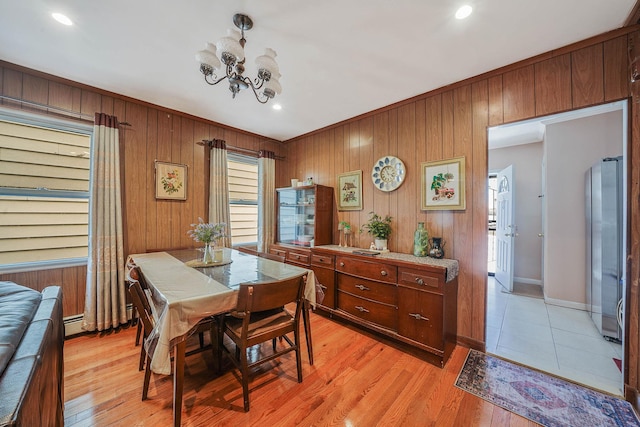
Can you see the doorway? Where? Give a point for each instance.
(552, 332)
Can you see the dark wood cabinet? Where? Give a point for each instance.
(404, 298)
(304, 215)
(304, 219)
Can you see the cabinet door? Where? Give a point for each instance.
(420, 317)
(326, 279)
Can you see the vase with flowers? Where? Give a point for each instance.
(208, 233)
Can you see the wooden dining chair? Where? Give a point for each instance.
(144, 287)
(261, 316)
(140, 306)
(134, 275)
(148, 320)
(145, 316)
(305, 313)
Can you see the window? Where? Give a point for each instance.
(243, 198)
(44, 191)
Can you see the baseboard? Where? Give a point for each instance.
(631, 395)
(564, 303)
(528, 281)
(471, 343)
(73, 324)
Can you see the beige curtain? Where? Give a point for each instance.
(219, 187)
(105, 301)
(266, 199)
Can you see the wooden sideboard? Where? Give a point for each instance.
(410, 300)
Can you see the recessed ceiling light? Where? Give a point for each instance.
(63, 19)
(464, 11)
(277, 107)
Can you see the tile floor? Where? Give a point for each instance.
(558, 340)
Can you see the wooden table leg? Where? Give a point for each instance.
(307, 330)
(178, 381)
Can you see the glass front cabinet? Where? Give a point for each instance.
(304, 215)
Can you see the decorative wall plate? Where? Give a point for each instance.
(388, 173)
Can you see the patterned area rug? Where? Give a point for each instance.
(544, 399)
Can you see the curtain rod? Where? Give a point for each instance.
(56, 110)
(240, 150)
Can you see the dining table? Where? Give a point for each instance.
(183, 291)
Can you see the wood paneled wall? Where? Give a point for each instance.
(155, 134)
(444, 123)
(451, 122)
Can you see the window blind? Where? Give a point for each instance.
(44, 193)
(243, 199)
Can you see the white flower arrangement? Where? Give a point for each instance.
(207, 232)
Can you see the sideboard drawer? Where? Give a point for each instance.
(278, 252)
(380, 292)
(367, 269)
(322, 260)
(370, 311)
(419, 279)
(298, 258)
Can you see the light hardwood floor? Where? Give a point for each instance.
(355, 381)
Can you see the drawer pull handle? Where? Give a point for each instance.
(384, 273)
(362, 287)
(342, 264)
(321, 259)
(361, 309)
(419, 281)
(418, 316)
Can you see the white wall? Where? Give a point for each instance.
(570, 148)
(527, 165)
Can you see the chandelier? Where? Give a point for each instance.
(231, 53)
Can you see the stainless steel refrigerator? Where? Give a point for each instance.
(604, 244)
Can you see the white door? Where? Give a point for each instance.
(505, 228)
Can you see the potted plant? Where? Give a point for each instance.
(379, 228)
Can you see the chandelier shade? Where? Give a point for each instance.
(230, 45)
(228, 54)
(208, 57)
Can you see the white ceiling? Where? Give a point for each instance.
(338, 58)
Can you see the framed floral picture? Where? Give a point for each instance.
(350, 191)
(171, 181)
(443, 185)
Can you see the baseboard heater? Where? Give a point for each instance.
(73, 324)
